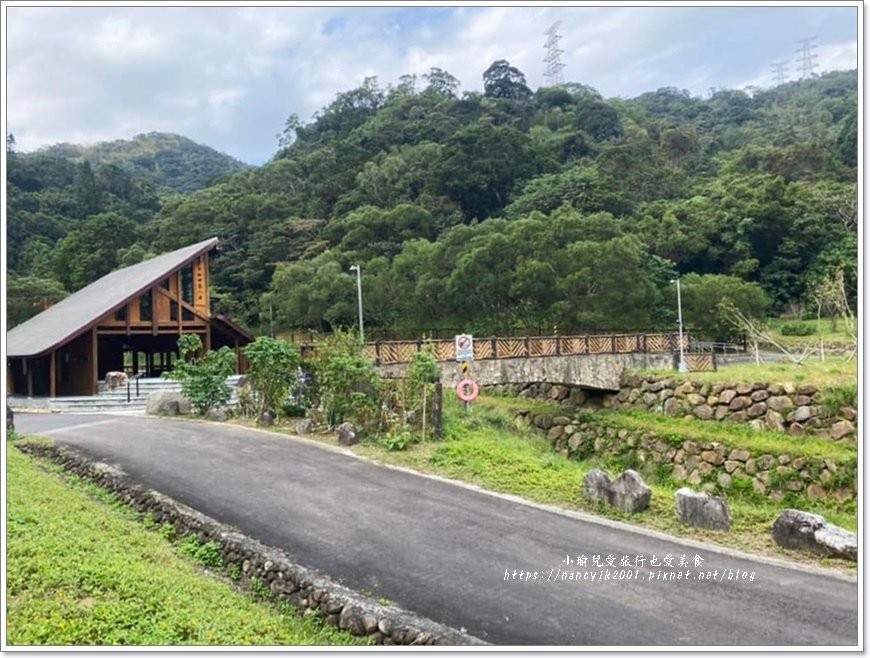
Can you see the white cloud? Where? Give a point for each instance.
(229, 76)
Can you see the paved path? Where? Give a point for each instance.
(443, 550)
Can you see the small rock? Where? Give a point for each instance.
(802, 414)
(757, 409)
(217, 415)
(740, 402)
(703, 412)
(841, 429)
(724, 480)
(731, 466)
(796, 429)
(266, 419)
(304, 426)
(802, 400)
(773, 420)
(849, 413)
(739, 455)
(807, 389)
(781, 403)
(556, 432)
(739, 417)
(701, 510)
(672, 406)
(759, 396)
(694, 399)
(347, 434)
(712, 457)
(815, 491)
(726, 396)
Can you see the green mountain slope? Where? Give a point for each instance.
(171, 163)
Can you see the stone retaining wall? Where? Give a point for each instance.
(712, 466)
(261, 565)
(777, 407)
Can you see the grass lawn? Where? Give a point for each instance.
(820, 330)
(83, 572)
(833, 371)
(490, 448)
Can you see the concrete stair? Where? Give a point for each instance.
(114, 401)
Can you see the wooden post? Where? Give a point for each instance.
(95, 372)
(52, 374)
(528, 347)
(207, 342)
(438, 410)
(494, 347)
(29, 369)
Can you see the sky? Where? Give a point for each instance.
(229, 76)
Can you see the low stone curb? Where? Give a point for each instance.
(309, 591)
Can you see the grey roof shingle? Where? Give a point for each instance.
(71, 316)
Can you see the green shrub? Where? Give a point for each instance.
(796, 329)
(399, 441)
(203, 377)
(838, 396)
(273, 373)
(347, 383)
(208, 554)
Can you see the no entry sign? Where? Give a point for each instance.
(464, 347)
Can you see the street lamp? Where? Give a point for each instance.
(682, 366)
(355, 268)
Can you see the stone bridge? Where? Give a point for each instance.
(591, 361)
(593, 371)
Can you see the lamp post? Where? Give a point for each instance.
(356, 268)
(682, 366)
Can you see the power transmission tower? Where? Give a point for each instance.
(807, 57)
(554, 63)
(779, 70)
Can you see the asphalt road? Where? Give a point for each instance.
(444, 551)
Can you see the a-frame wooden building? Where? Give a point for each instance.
(138, 311)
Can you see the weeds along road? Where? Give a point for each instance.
(450, 553)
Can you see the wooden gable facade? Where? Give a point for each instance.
(136, 332)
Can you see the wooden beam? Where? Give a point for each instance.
(52, 373)
(95, 372)
(183, 304)
(154, 313)
(178, 299)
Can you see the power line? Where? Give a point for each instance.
(554, 62)
(779, 71)
(807, 57)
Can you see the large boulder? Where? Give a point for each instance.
(166, 403)
(628, 493)
(702, 510)
(347, 434)
(115, 379)
(811, 532)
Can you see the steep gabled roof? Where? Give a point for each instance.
(80, 311)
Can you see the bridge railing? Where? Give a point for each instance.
(402, 351)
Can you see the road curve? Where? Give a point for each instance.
(445, 551)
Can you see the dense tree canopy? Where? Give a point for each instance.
(510, 210)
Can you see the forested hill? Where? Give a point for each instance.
(554, 209)
(171, 163)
